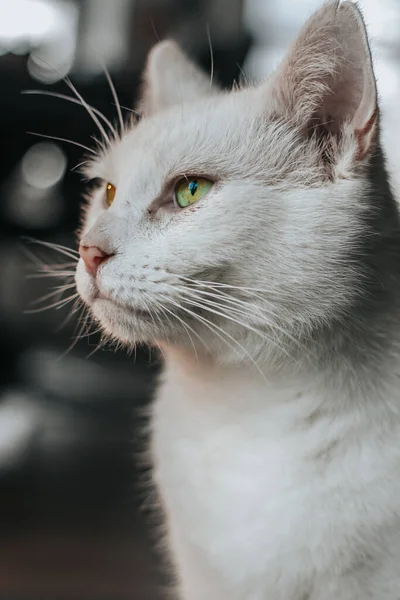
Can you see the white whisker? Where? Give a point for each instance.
(81, 327)
(50, 274)
(211, 305)
(239, 310)
(210, 309)
(211, 56)
(58, 290)
(98, 346)
(76, 167)
(75, 307)
(88, 108)
(61, 139)
(57, 305)
(70, 99)
(218, 331)
(135, 112)
(224, 285)
(70, 252)
(78, 95)
(187, 329)
(114, 94)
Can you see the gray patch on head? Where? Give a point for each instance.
(361, 333)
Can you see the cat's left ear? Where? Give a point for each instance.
(326, 83)
(171, 78)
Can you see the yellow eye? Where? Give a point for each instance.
(191, 189)
(110, 193)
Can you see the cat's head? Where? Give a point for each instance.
(231, 222)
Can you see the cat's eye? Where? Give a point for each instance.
(191, 189)
(110, 193)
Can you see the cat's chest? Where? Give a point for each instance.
(242, 484)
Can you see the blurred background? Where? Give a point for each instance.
(75, 518)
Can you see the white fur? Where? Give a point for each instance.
(272, 492)
(276, 456)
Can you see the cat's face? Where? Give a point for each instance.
(258, 252)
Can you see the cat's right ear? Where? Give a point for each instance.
(171, 78)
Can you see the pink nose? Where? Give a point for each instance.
(92, 257)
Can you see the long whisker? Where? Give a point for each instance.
(61, 139)
(210, 309)
(241, 312)
(219, 290)
(60, 266)
(248, 291)
(49, 274)
(272, 312)
(81, 328)
(60, 289)
(78, 95)
(135, 112)
(233, 303)
(243, 74)
(89, 332)
(224, 285)
(114, 94)
(76, 167)
(211, 56)
(98, 346)
(70, 99)
(39, 263)
(47, 270)
(70, 252)
(271, 309)
(218, 331)
(187, 328)
(155, 30)
(153, 317)
(161, 324)
(56, 305)
(52, 245)
(75, 307)
(88, 108)
(227, 298)
(225, 303)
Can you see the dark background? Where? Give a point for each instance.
(75, 510)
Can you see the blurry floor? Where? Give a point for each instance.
(105, 561)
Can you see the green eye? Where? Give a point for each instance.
(191, 189)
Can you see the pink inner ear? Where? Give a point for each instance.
(365, 136)
(341, 102)
(326, 83)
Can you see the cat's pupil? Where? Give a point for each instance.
(193, 185)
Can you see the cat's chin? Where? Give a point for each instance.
(127, 324)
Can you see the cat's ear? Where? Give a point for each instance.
(171, 78)
(326, 83)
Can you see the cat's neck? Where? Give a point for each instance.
(338, 384)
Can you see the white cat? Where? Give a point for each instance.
(252, 235)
